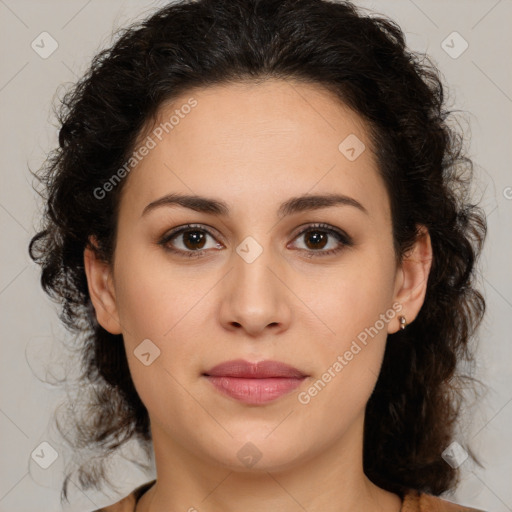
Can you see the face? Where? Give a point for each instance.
(313, 284)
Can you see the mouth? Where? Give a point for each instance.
(254, 383)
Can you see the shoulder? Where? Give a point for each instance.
(127, 504)
(415, 501)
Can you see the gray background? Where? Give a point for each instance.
(479, 82)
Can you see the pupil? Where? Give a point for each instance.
(197, 237)
(317, 237)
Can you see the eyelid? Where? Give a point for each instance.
(200, 227)
(310, 226)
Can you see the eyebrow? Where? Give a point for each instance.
(220, 208)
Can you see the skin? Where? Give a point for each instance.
(255, 146)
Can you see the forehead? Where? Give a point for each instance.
(246, 140)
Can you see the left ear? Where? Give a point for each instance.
(411, 279)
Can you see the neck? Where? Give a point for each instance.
(330, 481)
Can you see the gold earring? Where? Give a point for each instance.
(403, 322)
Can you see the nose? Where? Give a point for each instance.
(255, 296)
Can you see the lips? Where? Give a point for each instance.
(254, 383)
(262, 370)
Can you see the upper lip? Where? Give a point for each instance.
(260, 370)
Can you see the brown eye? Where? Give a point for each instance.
(190, 241)
(193, 239)
(323, 240)
(315, 239)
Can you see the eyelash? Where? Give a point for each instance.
(342, 237)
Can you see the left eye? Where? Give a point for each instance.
(316, 238)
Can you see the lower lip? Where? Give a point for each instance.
(255, 391)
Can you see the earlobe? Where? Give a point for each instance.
(412, 279)
(101, 290)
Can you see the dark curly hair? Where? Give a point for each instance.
(412, 412)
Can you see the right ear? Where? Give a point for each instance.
(101, 289)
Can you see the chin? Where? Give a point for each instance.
(258, 454)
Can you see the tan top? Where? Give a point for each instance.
(413, 501)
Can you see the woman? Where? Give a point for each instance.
(258, 219)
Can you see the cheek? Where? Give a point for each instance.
(349, 359)
(348, 362)
(163, 305)
(159, 318)
(356, 296)
(149, 296)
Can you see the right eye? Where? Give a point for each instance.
(192, 238)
